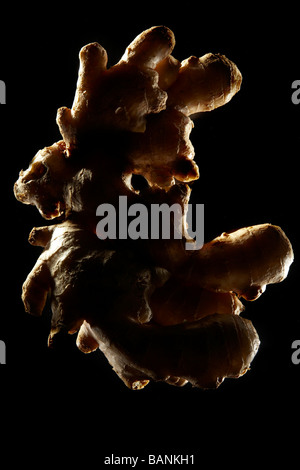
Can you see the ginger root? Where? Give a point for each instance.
(155, 310)
(105, 293)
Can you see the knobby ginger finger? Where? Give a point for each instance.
(204, 84)
(244, 261)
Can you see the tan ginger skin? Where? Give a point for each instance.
(155, 310)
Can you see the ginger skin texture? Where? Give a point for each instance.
(157, 311)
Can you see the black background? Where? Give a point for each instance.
(247, 153)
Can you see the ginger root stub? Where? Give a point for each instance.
(156, 311)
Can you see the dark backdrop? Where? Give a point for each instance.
(247, 153)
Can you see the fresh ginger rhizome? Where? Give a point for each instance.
(160, 221)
